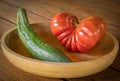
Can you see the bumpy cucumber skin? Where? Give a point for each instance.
(34, 44)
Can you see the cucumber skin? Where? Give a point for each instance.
(34, 44)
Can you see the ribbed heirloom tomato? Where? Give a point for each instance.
(77, 36)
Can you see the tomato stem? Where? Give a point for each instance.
(76, 24)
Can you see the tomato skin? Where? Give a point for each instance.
(62, 22)
(82, 37)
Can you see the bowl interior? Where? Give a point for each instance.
(104, 47)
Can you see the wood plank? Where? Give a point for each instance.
(79, 9)
(4, 27)
(116, 63)
(114, 30)
(49, 5)
(112, 6)
(75, 7)
(12, 10)
(106, 75)
(36, 16)
(41, 10)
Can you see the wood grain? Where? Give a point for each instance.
(106, 75)
(78, 8)
(12, 10)
(42, 11)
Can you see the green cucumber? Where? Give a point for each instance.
(39, 48)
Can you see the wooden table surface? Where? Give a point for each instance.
(41, 11)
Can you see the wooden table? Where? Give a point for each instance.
(41, 11)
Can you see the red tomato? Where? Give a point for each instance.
(76, 36)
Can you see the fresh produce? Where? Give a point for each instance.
(36, 45)
(77, 36)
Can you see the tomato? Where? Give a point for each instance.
(77, 36)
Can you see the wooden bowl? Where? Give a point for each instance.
(98, 59)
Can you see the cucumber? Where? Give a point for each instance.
(39, 48)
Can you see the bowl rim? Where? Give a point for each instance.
(3, 45)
